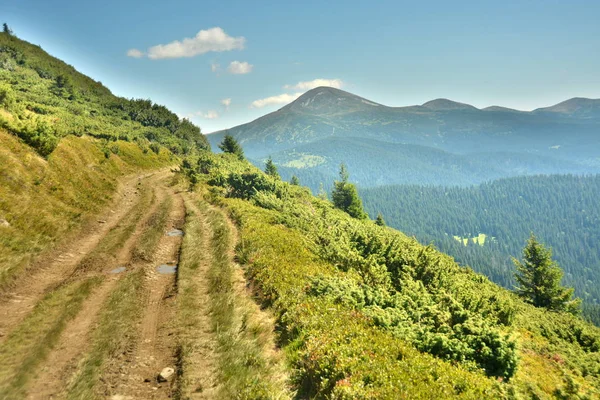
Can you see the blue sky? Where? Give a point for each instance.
(521, 54)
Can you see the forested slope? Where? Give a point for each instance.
(562, 210)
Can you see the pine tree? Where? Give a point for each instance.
(380, 221)
(230, 145)
(539, 279)
(345, 196)
(271, 168)
(6, 29)
(295, 181)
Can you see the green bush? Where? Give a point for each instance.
(366, 312)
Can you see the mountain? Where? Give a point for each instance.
(121, 239)
(375, 163)
(576, 107)
(331, 125)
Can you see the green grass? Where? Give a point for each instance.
(117, 327)
(66, 191)
(335, 351)
(30, 343)
(248, 367)
(304, 161)
(479, 239)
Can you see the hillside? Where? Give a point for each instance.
(353, 301)
(559, 139)
(92, 222)
(86, 137)
(44, 100)
(137, 264)
(562, 210)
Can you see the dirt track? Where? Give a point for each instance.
(119, 229)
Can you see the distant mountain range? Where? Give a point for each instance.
(439, 142)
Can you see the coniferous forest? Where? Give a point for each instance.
(485, 226)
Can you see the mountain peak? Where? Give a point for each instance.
(576, 105)
(447, 105)
(325, 100)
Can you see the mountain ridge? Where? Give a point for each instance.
(439, 104)
(565, 135)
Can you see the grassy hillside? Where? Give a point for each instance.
(64, 141)
(366, 312)
(43, 100)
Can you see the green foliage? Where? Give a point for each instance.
(7, 97)
(366, 312)
(345, 196)
(379, 221)
(539, 279)
(48, 100)
(230, 145)
(294, 181)
(563, 209)
(6, 29)
(271, 168)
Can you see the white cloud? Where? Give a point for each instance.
(210, 114)
(226, 103)
(307, 85)
(213, 39)
(215, 67)
(135, 53)
(240, 68)
(281, 99)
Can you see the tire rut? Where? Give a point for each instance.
(53, 375)
(134, 375)
(52, 269)
(199, 361)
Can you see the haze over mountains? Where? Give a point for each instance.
(439, 142)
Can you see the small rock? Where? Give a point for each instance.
(166, 374)
(147, 380)
(4, 223)
(101, 221)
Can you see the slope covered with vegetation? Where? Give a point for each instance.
(362, 311)
(484, 226)
(366, 312)
(45, 99)
(64, 141)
